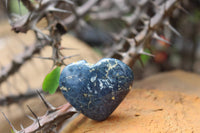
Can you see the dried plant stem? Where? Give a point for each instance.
(8, 100)
(138, 44)
(19, 60)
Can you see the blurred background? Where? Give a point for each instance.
(183, 52)
(101, 30)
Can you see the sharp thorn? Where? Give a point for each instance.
(34, 115)
(21, 126)
(13, 128)
(39, 31)
(143, 20)
(58, 10)
(134, 31)
(145, 53)
(184, 10)
(141, 51)
(44, 58)
(67, 57)
(131, 41)
(115, 37)
(32, 112)
(135, 40)
(63, 48)
(173, 29)
(33, 119)
(67, 1)
(145, 16)
(156, 36)
(119, 53)
(47, 104)
(64, 63)
(149, 24)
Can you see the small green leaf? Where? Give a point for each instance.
(16, 8)
(145, 58)
(51, 81)
(11, 130)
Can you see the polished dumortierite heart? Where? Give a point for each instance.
(96, 90)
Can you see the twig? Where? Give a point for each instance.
(28, 4)
(28, 53)
(136, 47)
(20, 59)
(71, 21)
(49, 121)
(10, 99)
(142, 38)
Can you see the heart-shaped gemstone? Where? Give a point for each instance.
(96, 90)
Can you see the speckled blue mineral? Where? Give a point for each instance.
(96, 90)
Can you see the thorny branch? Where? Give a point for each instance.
(18, 26)
(139, 42)
(79, 13)
(19, 60)
(54, 116)
(129, 56)
(49, 121)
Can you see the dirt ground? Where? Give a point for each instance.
(164, 103)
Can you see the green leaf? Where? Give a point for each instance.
(51, 81)
(11, 130)
(14, 6)
(145, 58)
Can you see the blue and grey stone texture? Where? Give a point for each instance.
(96, 90)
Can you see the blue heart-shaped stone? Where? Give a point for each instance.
(96, 90)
